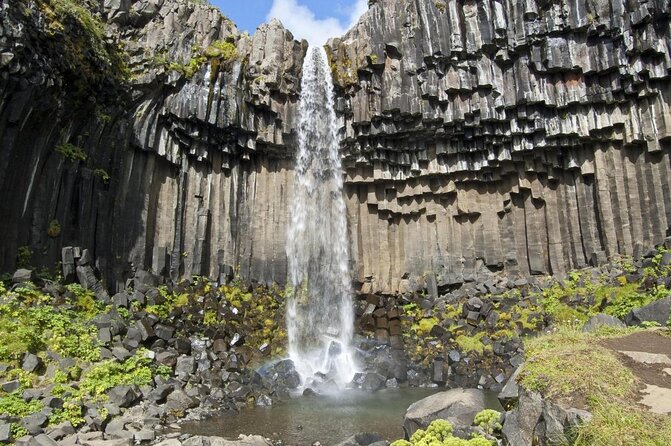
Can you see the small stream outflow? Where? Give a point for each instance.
(320, 317)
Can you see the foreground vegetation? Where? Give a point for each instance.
(57, 330)
(527, 310)
(570, 366)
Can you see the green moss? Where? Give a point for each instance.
(210, 318)
(29, 323)
(23, 257)
(89, 59)
(103, 175)
(54, 229)
(221, 50)
(469, 344)
(71, 152)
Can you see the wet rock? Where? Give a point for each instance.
(362, 439)
(281, 374)
(458, 406)
(263, 401)
(373, 382)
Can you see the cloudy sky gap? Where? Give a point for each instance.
(314, 20)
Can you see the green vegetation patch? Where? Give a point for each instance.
(573, 368)
(30, 323)
(103, 376)
(439, 433)
(71, 152)
(79, 36)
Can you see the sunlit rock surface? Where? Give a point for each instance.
(529, 137)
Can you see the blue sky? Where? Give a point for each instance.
(314, 20)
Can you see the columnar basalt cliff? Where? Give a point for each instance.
(528, 136)
(477, 136)
(176, 162)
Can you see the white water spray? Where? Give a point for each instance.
(320, 317)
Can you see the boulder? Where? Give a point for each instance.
(459, 406)
(373, 382)
(23, 275)
(519, 424)
(123, 396)
(602, 320)
(42, 440)
(362, 439)
(178, 402)
(657, 311)
(243, 440)
(31, 363)
(5, 432)
(510, 392)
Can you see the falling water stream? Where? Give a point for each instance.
(320, 319)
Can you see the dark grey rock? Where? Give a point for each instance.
(602, 320)
(519, 424)
(159, 394)
(185, 367)
(35, 422)
(373, 382)
(178, 402)
(121, 353)
(11, 386)
(5, 432)
(658, 311)
(362, 439)
(164, 332)
(510, 392)
(123, 396)
(42, 440)
(31, 363)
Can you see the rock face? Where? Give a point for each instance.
(477, 136)
(529, 136)
(181, 165)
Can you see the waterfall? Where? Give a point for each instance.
(320, 316)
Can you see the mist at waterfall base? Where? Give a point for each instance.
(320, 315)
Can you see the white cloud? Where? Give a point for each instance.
(301, 21)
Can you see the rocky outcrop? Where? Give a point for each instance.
(525, 136)
(477, 136)
(180, 164)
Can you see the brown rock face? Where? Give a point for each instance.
(525, 136)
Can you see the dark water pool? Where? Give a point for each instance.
(327, 419)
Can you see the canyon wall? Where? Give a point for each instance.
(530, 136)
(525, 136)
(182, 165)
